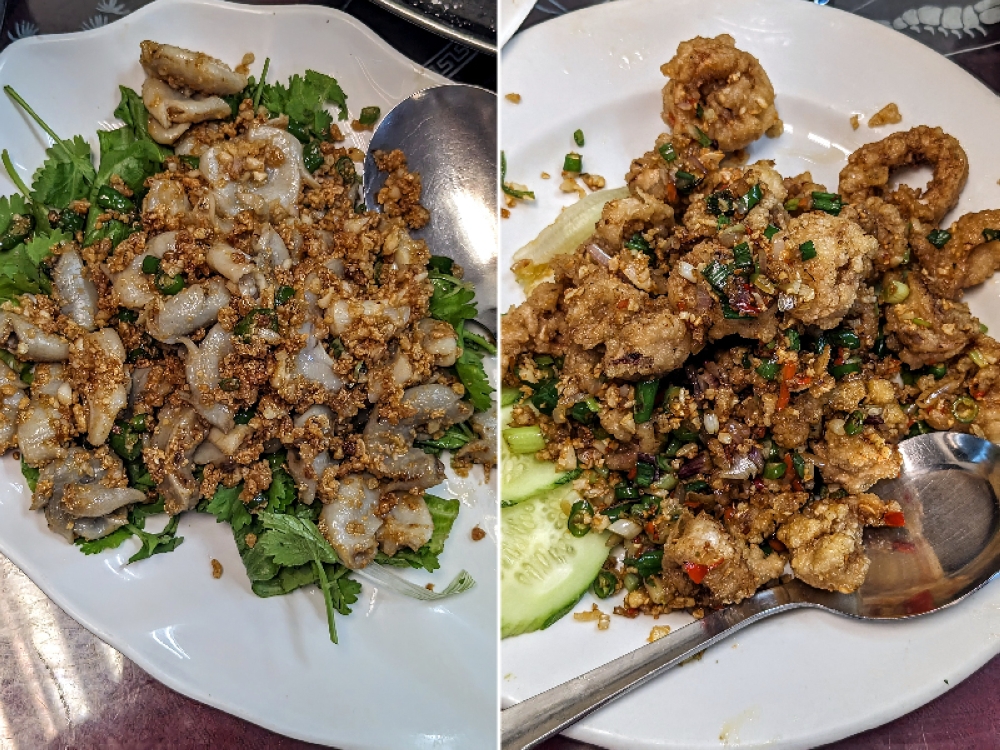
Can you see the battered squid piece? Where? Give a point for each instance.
(654, 342)
(968, 258)
(348, 520)
(730, 87)
(820, 289)
(826, 541)
(884, 222)
(929, 329)
(869, 168)
(622, 218)
(856, 462)
(735, 569)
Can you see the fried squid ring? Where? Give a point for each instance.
(969, 257)
(868, 170)
(727, 86)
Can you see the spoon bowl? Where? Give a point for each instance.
(948, 488)
(449, 137)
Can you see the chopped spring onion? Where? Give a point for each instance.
(939, 238)
(382, 576)
(312, 156)
(578, 137)
(369, 115)
(846, 368)
(799, 464)
(626, 491)
(750, 199)
(698, 486)
(699, 111)
(895, 292)
(667, 152)
(774, 470)
(673, 445)
(644, 474)
(716, 274)
(573, 162)
(229, 384)
(606, 581)
(983, 328)
(524, 439)
(703, 139)
(686, 432)
(829, 202)
(743, 257)
(771, 231)
(284, 294)
(965, 409)
(991, 234)
(506, 187)
(768, 370)
(721, 202)
(649, 562)
(582, 412)
(855, 423)
(243, 416)
(631, 581)
(977, 356)
(685, 181)
(645, 399)
(722, 222)
(638, 243)
(794, 342)
(580, 516)
(791, 204)
(919, 428)
(666, 482)
(127, 316)
(150, 264)
(923, 323)
(256, 320)
(808, 250)
(938, 371)
(846, 338)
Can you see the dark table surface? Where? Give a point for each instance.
(967, 717)
(60, 686)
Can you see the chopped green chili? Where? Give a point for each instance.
(111, 200)
(774, 470)
(846, 338)
(312, 156)
(150, 264)
(625, 490)
(573, 162)
(645, 399)
(605, 583)
(768, 370)
(667, 152)
(855, 423)
(829, 202)
(580, 516)
(578, 137)
(284, 294)
(168, 285)
(965, 409)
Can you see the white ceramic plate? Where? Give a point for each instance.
(512, 14)
(803, 678)
(406, 674)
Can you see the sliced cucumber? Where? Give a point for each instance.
(521, 474)
(544, 570)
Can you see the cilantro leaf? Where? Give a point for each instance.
(443, 513)
(282, 493)
(227, 507)
(66, 174)
(134, 114)
(111, 541)
(471, 372)
(452, 300)
(20, 267)
(294, 541)
(304, 100)
(140, 512)
(155, 544)
(289, 579)
(9, 208)
(453, 438)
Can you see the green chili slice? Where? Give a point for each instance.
(855, 423)
(667, 152)
(645, 399)
(284, 294)
(774, 470)
(111, 200)
(625, 490)
(578, 137)
(965, 409)
(606, 582)
(312, 156)
(345, 168)
(256, 320)
(150, 264)
(168, 285)
(580, 516)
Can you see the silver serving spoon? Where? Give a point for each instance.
(449, 136)
(949, 547)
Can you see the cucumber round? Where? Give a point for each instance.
(544, 570)
(521, 474)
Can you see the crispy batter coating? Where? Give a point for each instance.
(869, 168)
(730, 86)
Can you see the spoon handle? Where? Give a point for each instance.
(527, 723)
